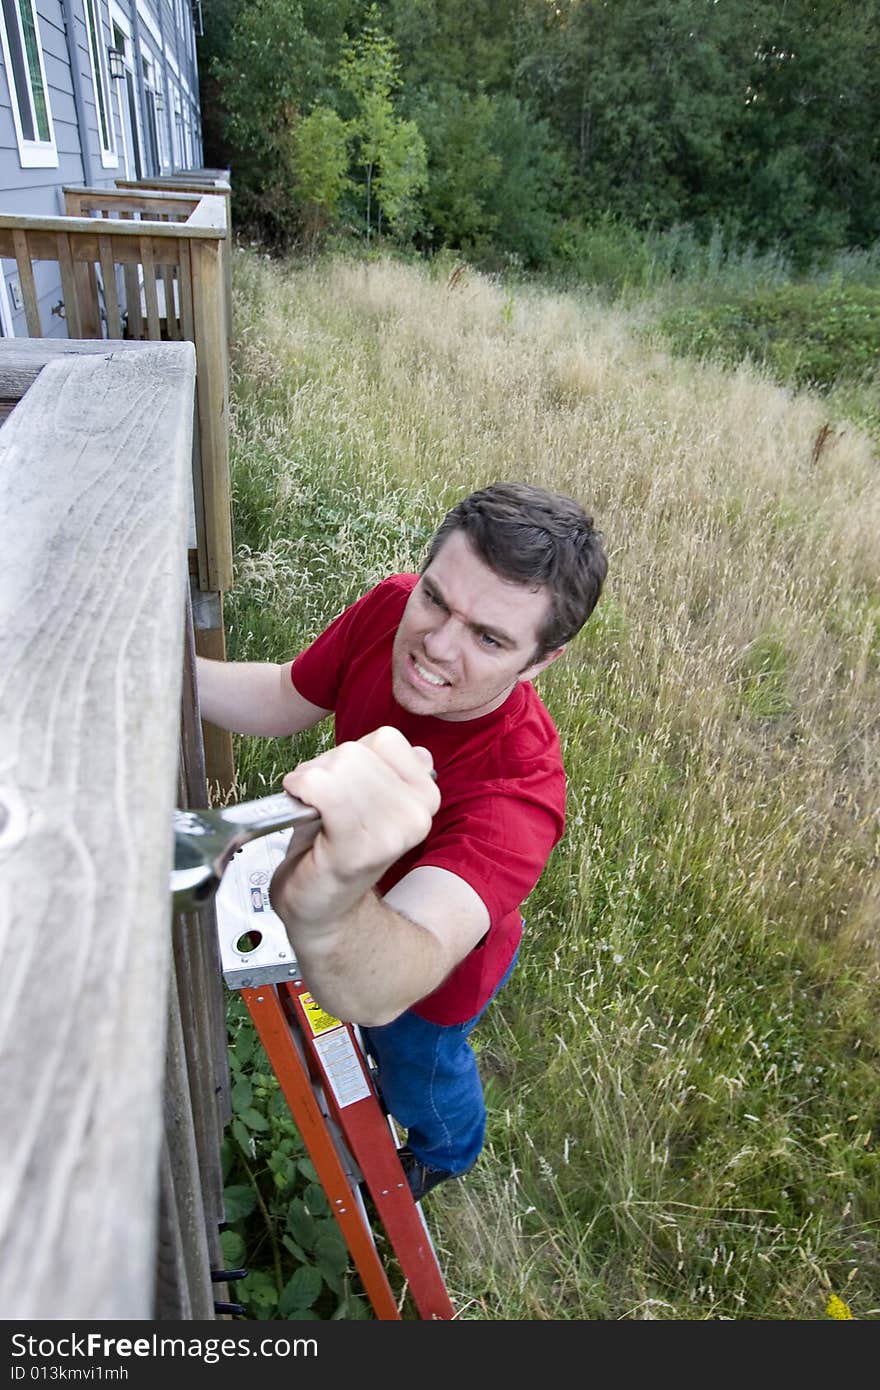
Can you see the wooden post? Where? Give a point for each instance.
(94, 489)
(212, 397)
(26, 280)
(210, 641)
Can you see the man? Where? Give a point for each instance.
(405, 913)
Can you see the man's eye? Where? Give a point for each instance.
(488, 641)
(432, 598)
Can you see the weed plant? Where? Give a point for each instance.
(682, 1073)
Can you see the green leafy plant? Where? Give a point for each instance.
(389, 152)
(807, 334)
(278, 1221)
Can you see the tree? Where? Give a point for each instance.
(402, 177)
(467, 44)
(276, 65)
(320, 151)
(497, 174)
(389, 152)
(464, 166)
(759, 116)
(810, 162)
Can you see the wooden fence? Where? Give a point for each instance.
(113, 1073)
(153, 265)
(198, 181)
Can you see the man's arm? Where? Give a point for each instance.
(367, 959)
(252, 697)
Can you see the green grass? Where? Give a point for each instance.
(682, 1072)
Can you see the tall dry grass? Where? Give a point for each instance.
(682, 1072)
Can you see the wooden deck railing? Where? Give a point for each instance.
(199, 182)
(113, 1078)
(152, 268)
(153, 265)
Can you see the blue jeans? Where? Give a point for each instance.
(430, 1083)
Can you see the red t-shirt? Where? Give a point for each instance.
(500, 778)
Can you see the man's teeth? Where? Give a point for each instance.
(427, 676)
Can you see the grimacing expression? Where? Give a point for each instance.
(466, 636)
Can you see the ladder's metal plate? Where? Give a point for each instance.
(254, 946)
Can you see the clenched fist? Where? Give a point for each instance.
(377, 798)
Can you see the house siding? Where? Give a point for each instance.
(167, 38)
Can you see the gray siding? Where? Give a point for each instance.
(38, 191)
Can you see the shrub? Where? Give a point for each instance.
(806, 334)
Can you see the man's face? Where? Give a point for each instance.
(466, 636)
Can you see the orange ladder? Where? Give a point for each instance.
(320, 1066)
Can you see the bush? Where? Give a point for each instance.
(807, 334)
(608, 252)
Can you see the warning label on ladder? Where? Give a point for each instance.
(342, 1065)
(334, 1046)
(319, 1020)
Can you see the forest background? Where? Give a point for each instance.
(509, 128)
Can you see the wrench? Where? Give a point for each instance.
(205, 841)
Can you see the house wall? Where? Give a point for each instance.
(154, 111)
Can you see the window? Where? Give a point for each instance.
(101, 86)
(125, 96)
(28, 91)
(162, 128)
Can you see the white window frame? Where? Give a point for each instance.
(96, 44)
(149, 70)
(162, 131)
(178, 152)
(32, 154)
(5, 311)
(120, 22)
(120, 88)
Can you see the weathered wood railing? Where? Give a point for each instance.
(199, 182)
(153, 265)
(113, 1080)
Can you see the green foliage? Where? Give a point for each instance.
(468, 44)
(810, 154)
(320, 151)
(277, 1217)
(757, 116)
(811, 335)
(527, 194)
(496, 172)
(403, 174)
(274, 68)
(390, 152)
(753, 122)
(647, 95)
(465, 168)
(609, 252)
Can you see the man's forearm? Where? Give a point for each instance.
(371, 964)
(364, 961)
(251, 697)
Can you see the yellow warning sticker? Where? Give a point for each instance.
(319, 1021)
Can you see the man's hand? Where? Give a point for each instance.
(377, 799)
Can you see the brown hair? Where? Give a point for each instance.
(539, 538)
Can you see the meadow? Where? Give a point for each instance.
(682, 1073)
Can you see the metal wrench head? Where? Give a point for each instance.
(206, 840)
(201, 853)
